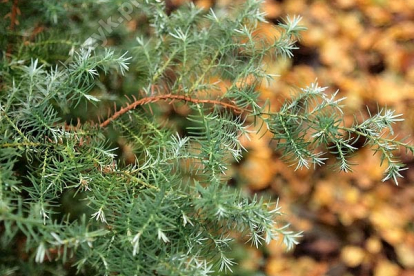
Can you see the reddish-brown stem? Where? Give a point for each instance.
(13, 21)
(171, 98)
(13, 15)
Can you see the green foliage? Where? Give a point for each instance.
(71, 201)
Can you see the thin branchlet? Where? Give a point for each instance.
(170, 98)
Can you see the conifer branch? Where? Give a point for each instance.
(13, 15)
(171, 98)
(138, 198)
(13, 22)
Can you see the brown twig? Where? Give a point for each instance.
(13, 22)
(171, 98)
(14, 12)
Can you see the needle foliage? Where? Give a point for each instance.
(93, 189)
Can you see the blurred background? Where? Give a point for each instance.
(354, 224)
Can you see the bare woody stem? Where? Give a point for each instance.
(171, 98)
(13, 14)
(13, 21)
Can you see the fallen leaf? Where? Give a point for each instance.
(386, 268)
(352, 256)
(373, 245)
(405, 255)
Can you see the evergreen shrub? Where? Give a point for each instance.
(95, 180)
